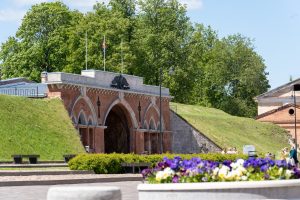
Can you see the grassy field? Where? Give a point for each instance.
(230, 131)
(36, 126)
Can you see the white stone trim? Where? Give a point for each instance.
(124, 103)
(90, 105)
(157, 111)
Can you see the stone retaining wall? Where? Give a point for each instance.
(187, 139)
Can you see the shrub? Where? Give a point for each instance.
(111, 163)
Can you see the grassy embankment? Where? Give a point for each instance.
(231, 131)
(36, 126)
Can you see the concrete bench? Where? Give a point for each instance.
(131, 167)
(84, 193)
(18, 159)
(68, 157)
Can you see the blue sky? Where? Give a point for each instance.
(274, 26)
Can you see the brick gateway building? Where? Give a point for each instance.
(113, 112)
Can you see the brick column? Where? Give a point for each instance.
(139, 141)
(167, 141)
(99, 139)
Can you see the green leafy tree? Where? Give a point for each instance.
(102, 21)
(162, 28)
(39, 44)
(234, 75)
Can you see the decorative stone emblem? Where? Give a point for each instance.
(120, 82)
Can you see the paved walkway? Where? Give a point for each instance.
(128, 189)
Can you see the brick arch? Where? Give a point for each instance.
(152, 125)
(125, 105)
(82, 117)
(145, 125)
(89, 115)
(152, 108)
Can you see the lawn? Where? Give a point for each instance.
(231, 131)
(36, 126)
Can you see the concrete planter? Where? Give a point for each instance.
(281, 189)
(84, 193)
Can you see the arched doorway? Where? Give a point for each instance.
(117, 133)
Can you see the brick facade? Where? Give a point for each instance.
(282, 118)
(274, 106)
(116, 124)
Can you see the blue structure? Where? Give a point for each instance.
(23, 87)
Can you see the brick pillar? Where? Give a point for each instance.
(139, 142)
(167, 141)
(99, 139)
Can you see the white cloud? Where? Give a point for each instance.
(192, 4)
(11, 15)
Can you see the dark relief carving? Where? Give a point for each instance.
(120, 82)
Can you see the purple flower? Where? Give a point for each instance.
(267, 176)
(146, 173)
(227, 163)
(175, 179)
(264, 168)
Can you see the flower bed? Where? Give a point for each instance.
(197, 170)
(254, 178)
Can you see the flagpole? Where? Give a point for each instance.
(86, 51)
(104, 49)
(122, 63)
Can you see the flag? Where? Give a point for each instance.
(104, 46)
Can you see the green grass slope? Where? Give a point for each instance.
(36, 126)
(230, 131)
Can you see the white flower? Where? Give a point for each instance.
(161, 175)
(288, 173)
(280, 171)
(215, 171)
(223, 171)
(240, 162)
(244, 178)
(233, 165)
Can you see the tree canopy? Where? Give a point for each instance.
(198, 66)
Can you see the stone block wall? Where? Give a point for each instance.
(187, 139)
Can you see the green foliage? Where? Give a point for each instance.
(224, 73)
(230, 131)
(111, 163)
(34, 126)
(39, 44)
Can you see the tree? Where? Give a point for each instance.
(162, 29)
(103, 21)
(234, 75)
(39, 44)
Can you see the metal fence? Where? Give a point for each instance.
(35, 92)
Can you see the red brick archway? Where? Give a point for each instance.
(118, 132)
